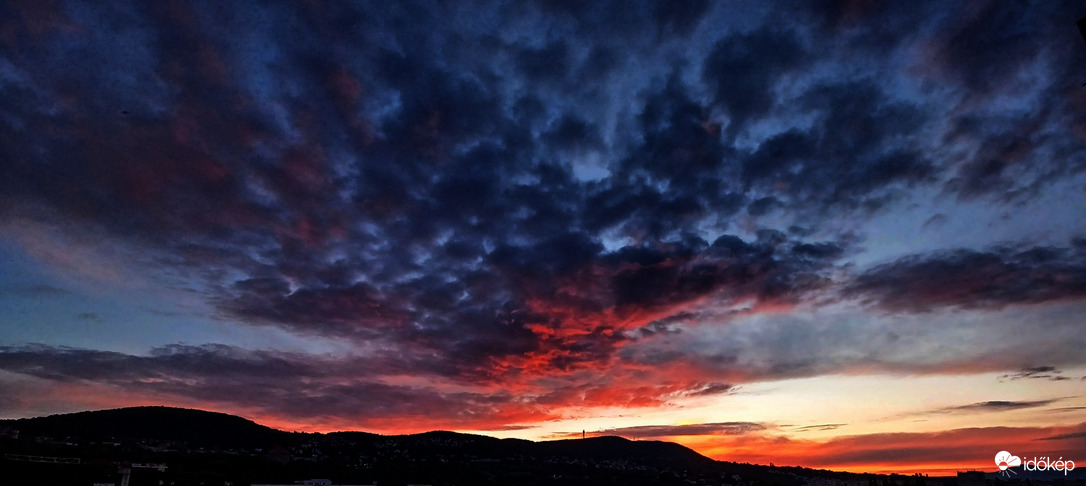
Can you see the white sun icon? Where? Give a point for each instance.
(1005, 460)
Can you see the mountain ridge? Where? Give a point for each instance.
(228, 447)
(148, 422)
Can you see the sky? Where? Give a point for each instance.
(836, 234)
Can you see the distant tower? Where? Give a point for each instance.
(582, 433)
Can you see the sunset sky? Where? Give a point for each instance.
(837, 234)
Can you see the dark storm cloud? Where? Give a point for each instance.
(675, 176)
(626, 21)
(763, 57)
(850, 158)
(983, 54)
(852, 21)
(570, 132)
(987, 52)
(343, 387)
(502, 191)
(988, 279)
(762, 269)
(262, 380)
(762, 206)
(977, 46)
(84, 364)
(544, 64)
(679, 16)
(341, 310)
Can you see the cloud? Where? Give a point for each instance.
(764, 56)
(996, 138)
(817, 427)
(935, 221)
(851, 157)
(999, 406)
(992, 407)
(1037, 373)
(733, 345)
(376, 392)
(659, 431)
(990, 279)
(1067, 436)
(37, 290)
(679, 17)
(712, 389)
(508, 427)
(268, 383)
(1067, 409)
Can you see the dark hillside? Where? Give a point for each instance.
(195, 427)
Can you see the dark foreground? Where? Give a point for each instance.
(204, 448)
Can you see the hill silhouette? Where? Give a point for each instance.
(614, 448)
(203, 428)
(196, 427)
(202, 446)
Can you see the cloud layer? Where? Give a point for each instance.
(506, 211)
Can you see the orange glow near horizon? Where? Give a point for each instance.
(933, 454)
(939, 441)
